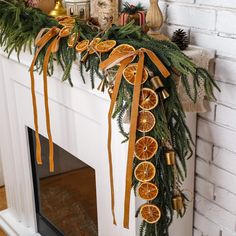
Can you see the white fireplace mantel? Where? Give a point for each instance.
(79, 125)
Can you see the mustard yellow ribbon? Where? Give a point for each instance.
(40, 42)
(124, 59)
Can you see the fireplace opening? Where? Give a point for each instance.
(65, 200)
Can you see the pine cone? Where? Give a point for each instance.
(181, 39)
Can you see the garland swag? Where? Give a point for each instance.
(19, 27)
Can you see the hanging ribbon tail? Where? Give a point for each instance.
(47, 114)
(41, 41)
(105, 65)
(160, 66)
(132, 138)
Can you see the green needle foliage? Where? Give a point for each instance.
(19, 26)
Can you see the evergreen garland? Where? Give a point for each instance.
(19, 25)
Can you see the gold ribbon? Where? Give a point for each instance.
(124, 59)
(40, 42)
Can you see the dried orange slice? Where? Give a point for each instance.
(148, 99)
(148, 191)
(150, 213)
(123, 48)
(72, 40)
(105, 46)
(145, 148)
(145, 171)
(146, 121)
(130, 72)
(82, 46)
(92, 45)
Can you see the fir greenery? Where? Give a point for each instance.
(19, 25)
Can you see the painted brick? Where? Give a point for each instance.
(217, 135)
(225, 70)
(226, 116)
(226, 232)
(224, 46)
(215, 175)
(225, 159)
(226, 200)
(227, 95)
(211, 114)
(190, 16)
(217, 214)
(225, 21)
(206, 226)
(218, 3)
(204, 188)
(204, 150)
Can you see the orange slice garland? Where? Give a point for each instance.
(93, 44)
(82, 46)
(148, 191)
(145, 148)
(148, 99)
(150, 213)
(145, 171)
(130, 71)
(105, 46)
(146, 121)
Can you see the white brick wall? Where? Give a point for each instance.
(212, 24)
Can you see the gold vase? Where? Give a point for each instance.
(154, 17)
(58, 10)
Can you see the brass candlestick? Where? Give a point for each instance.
(58, 10)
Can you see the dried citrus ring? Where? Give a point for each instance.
(130, 73)
(145, 148)
(123, 48)
(146, 121)
(105, 46)
(82, 46)
(150, 213)
(145, 171)
(148, 99)
(65, 32)
(92, 45)
(148, 191)
(72, 40)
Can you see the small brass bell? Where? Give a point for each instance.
(102, 85)
(165, 94)
(156, 82)
(170, 158)
(177, 203)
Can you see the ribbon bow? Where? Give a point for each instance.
(41, 40)
(124, 59)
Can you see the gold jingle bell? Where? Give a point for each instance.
(170, 157)
(165, 94)
(156, 82)
(58, 10)
(102, 86)
(178, 203)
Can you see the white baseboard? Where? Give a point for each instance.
(12, 227)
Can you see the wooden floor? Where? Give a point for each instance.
(3, 205)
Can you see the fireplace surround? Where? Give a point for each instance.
(79, 126)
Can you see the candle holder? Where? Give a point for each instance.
(154, 18)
